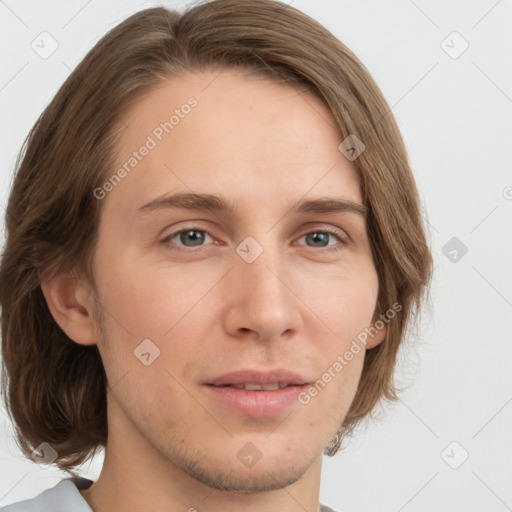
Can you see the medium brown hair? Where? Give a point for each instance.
(55, 389)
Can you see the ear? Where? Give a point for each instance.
(71, 306)
(377, 332)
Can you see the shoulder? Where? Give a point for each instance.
(325, 508)
(63, 497)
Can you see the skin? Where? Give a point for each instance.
(262, 146)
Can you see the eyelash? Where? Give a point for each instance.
(342, 239)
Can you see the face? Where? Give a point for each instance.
(248, 281)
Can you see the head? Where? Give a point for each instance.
(258, 105)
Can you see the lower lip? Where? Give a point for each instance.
(255, 403)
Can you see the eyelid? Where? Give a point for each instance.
(196, 226)
(343, 240)
(342, 236)
(326, 228)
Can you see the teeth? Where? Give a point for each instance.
(260, 387)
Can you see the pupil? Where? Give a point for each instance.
(196, 237)
(319, 237)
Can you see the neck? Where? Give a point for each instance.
(138, 476)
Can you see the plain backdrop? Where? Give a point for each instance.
(445, 70)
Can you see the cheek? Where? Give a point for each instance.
(149, 303)
(171, 312)
(328, 401)
(345, 303)
(343, 307)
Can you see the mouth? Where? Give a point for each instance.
(254, 379)
(248, 386)
(255, 400)
(256, 392)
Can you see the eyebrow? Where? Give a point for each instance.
(208, 202)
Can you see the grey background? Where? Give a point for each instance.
(456, 117)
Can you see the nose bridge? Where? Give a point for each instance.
(261, 300)
(264, 275)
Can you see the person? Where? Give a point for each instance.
(214, 248)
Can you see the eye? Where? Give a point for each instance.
(190, 237)
(195, 237)
(321, 239)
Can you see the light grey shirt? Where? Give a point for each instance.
(64, 497)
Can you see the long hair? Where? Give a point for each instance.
(55, 389)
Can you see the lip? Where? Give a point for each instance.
(256, 404)
(259, 377)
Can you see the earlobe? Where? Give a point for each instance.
(378, 332)
(70, 308)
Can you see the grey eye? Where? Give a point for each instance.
(190, 237)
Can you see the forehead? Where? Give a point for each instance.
(226, 133)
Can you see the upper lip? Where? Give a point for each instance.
(258, 377)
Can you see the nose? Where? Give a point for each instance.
(262, 301)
